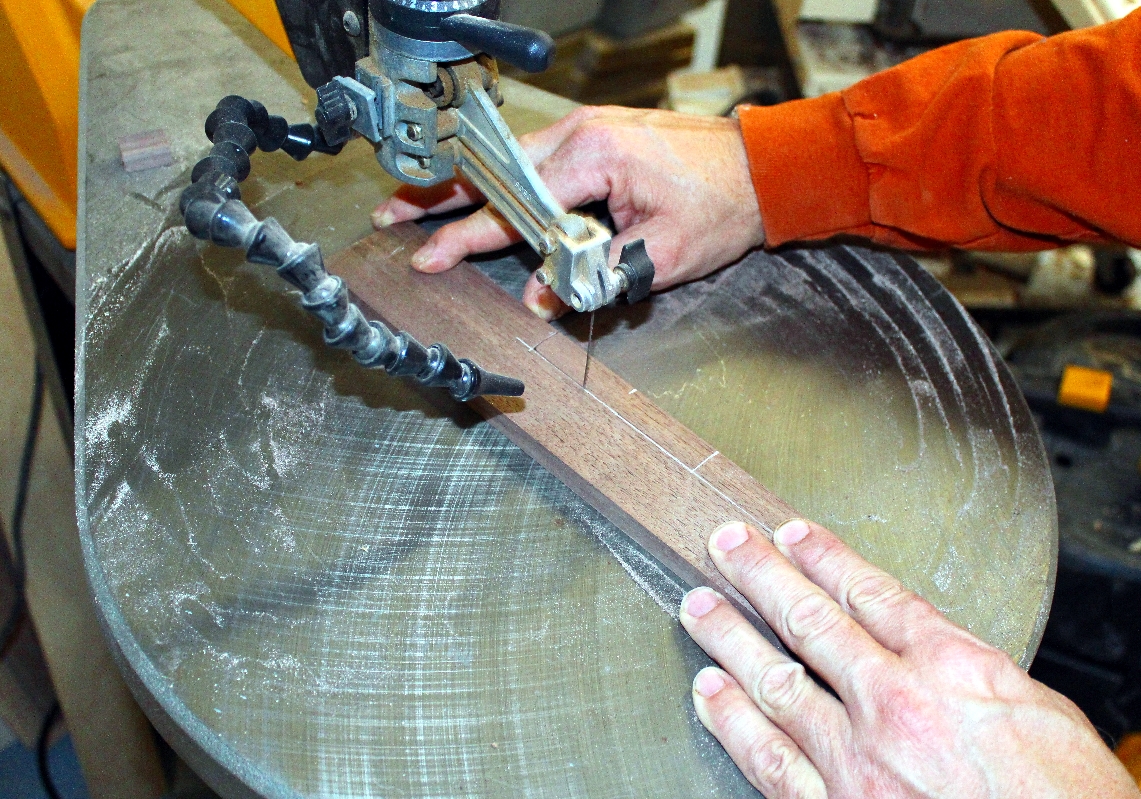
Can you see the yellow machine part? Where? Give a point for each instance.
(263, 14)
(39, 132)
(39, 119)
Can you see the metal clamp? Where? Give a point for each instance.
(575, 248)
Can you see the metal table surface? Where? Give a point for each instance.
(323, 582)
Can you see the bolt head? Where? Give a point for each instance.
(352, 23)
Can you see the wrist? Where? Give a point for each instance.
(806, 171)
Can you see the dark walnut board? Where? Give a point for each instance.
(644, 471)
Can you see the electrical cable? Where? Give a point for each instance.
(16, 614)
(42, 752)
(16, 566)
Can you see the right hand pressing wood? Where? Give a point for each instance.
(680, 182)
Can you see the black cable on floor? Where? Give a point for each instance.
(42, 752)
(26, 458)
(14, 623)
(16, 567)
(11, 628)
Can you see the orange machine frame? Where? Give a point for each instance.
(39, 120)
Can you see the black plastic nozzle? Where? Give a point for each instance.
(478, 382)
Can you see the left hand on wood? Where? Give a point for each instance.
(922, 707)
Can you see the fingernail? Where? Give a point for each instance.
(539, 310)
(729, 537)
(791, 533)
(382, 218)
(423, 257)
(545, 305)
(700, 601)
(708, 681)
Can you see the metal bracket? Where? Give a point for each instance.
(368, 117)
(423, 137)
(576, 248)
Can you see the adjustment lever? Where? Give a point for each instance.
(529, 50)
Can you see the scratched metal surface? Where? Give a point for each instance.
(322, 582)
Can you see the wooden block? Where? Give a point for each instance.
(706, 93)
(603, 55)
(145, 150)
(559, 79)
(647, 473)
(647, 95)
(594, 68)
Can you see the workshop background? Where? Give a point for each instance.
(1066, 321)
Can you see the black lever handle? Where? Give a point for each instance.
(530, 50)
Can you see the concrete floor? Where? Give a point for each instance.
(19, 777)
(112, 740)
(17, 364)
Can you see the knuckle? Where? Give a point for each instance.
(585, 113)
(592, 136)
(826, 548)
(753, 564)
(871, 590)
(812, 616)
(668, 256)
(989, 667)
(770, 762)
(780, 687)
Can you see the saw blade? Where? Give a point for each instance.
(589, 348)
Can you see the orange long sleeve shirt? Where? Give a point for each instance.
(1008, 142)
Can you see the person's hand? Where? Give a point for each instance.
(922, 707)
(680, 182)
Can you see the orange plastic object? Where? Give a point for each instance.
(1085, 388)
(265, 17)
(39, 130)
(1129, 752)
(39, 118)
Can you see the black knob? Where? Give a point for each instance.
(335, 113)
(636, 266)
(529, 50)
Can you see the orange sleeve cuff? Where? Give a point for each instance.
(807, 172)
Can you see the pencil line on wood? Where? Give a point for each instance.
(539, 344)
(708, 458)
(668, 454)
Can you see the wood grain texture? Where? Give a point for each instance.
(647, 473)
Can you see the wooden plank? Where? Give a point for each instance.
(647, 473)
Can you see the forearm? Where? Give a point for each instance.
(1009, 142)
